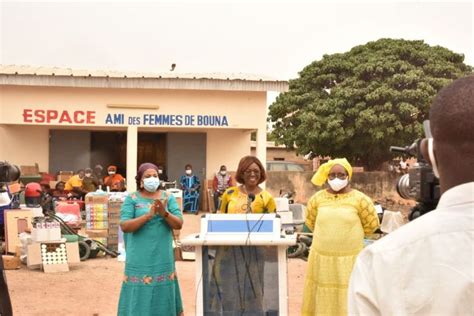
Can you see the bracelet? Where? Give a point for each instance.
(166, 214)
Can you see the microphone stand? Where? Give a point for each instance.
(250, 199)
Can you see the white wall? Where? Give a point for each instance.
(226, 147)
(25, 145)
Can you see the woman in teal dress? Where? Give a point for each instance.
(148, 217)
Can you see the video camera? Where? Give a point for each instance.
(8, 173)
(420, 184)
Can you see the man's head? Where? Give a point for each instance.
(160, 169)
(452, 128)
(98, 169)
(88, 172)
(60, 185)
(81, 173)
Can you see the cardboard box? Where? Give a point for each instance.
(29, 170)
(53, 256)
(97, 199)
(14, 187)
(112, 238)
(114, 218)
(16, 222)
(97, 233)
(11, 262)
(112, 247)
(113, 227)
(115, 206)
(97, 225)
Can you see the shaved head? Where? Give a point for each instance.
(452, 113)
(452, 126)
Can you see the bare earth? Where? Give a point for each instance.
(93, 287)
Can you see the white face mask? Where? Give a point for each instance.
(111, 173)
(223, 172)
(160, 171)
(432, 157)
(88, 175)
(338, 184)
(189, 171)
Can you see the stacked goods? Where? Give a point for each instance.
(45, 229)
(97, 211)
(115, 204)
(103, 217)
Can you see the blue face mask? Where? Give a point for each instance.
(151, 184)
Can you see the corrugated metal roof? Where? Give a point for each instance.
(67, 77)
(55, 71)
(269, 144)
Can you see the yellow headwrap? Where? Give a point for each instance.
(322, 174)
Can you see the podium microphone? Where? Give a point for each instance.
(250, 199)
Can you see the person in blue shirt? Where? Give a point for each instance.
(190, 185)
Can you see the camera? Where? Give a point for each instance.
(8, 172)
(420, 183)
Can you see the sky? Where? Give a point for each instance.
(271, 38)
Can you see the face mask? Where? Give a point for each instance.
(432, 157)
(151, 184)
(88, 175)
(189, 171)
(160, 171)
(111, 173)
(223, 172)
(338, 184)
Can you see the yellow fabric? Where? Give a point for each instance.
(321, 175)
(234, 201)
(73, 182)
(339, 223)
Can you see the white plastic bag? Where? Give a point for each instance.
(391, 221)
(25, 240)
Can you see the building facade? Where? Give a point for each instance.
(68, 120)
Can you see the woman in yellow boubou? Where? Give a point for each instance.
(339, 217)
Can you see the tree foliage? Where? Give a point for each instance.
(357, 104)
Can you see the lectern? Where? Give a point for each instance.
(241, 265)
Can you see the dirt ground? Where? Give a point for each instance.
(93, 287)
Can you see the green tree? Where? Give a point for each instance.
(357, 104)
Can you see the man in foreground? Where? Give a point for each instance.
(427, 266)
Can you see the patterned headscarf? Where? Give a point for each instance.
(141, 170)
(322, 174)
